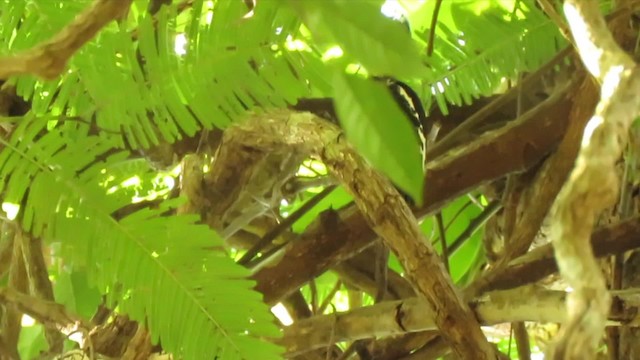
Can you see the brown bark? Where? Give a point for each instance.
(415, 314)
(391, 318)
(527, 269)
(630, 335)
(547, 183)
(540, 262)
(360, 272)
(383, 209)
(336, 236)
(49, 59)
(38, 276)
(18, 283)
(593, 184)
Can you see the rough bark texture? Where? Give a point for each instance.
(548, 181)
(593, 184)
(49, 59)
(540, 262)
(345, 232)
(384, 210)
(630, 335)
(414, 314)
(519, 231)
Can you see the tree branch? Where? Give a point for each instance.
(512, 149)
(49, 59)
(36, 271)
(545, 187)
(540, 262)
(593, 184)
(392, 318)
(384, 210)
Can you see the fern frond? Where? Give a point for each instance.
(140, 86)
(475, 54)
(158, 269)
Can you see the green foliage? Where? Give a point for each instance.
(457, 217)
(323, 285)
(32, 342)
(367, 111)
(337, 199)
(480, 43)
(73, 290)
(121, 78)
(140, 91)
(379, 43)
(154, 267)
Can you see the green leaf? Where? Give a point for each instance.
(457, 217)
(73, 290)
(381, 44)
(374, 123)
(338, 198)
(32, 342)
(199, 303)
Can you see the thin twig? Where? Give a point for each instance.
(45, 312)
(38, 277)
(285, 224)
(314, 296)
(432, 30)
(181, 7)
(443, 240)
(6, 250)
(475, 224)
(552, 13)
(522, 340)
(460, 211)
(327, 300)
(381, 271)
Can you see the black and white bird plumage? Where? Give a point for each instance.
(411, 105)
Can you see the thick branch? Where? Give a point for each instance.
(545, 187)
(412, 315)
(514, 149)
(384, 210)
(540, 262)
(49, 59)
(45, 312)
(527, 269)
(38, 276)
(593, 184)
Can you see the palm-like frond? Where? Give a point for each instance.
(232, 64)
(482, 46)
(125, 75)
(158, 269)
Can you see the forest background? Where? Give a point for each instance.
(171, 171)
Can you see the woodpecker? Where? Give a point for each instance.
(411, 105)
(405, 97)
(409, 101)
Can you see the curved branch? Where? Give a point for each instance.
(484, 159)
(593, 184)
(49, 59)
(385, 211)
